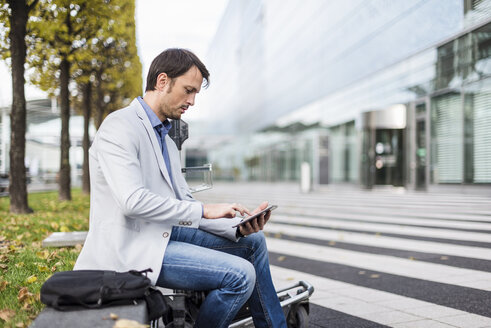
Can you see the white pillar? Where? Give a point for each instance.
(305, 179)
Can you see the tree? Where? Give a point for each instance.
(64, 27)
(118, 75)
(18, 14)
(110, 64)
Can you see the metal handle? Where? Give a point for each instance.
(206, 167)
(301, 295)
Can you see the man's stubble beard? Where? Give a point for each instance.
(173, 116)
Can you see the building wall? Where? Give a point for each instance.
(270, 58)
(331, 61)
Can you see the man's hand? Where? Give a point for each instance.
(258, 223)
(216, 211)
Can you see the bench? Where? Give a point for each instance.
(85, 318)
(90, 318)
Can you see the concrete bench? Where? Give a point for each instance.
(85, 318)
(63, 239)
(90, 318)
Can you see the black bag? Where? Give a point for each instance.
(95, 289)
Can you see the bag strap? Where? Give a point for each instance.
(146, 271)
(156, 304)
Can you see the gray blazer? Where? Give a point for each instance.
(133, 205)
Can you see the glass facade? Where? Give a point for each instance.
(325, 63)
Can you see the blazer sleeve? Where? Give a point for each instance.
(221, 227)
(117, 151)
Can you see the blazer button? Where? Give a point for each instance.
(165, 234)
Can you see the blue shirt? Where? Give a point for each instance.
(161, 129)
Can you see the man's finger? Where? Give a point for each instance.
(255, 225)
(241, 209)
(261, 221)
(247, 229)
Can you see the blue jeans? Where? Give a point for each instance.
(233, 272)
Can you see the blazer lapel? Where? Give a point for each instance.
(153, 140)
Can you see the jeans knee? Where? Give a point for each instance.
(242, 278)
(257, 241)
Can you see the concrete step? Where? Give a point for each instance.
(62, 239)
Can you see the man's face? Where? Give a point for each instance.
(177, 94)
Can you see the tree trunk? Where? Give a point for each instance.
(99, 101)
(64, 175)
(18, 187)
(86, 140)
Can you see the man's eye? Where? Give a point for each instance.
(188, 91)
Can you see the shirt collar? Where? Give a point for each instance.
(154, 120)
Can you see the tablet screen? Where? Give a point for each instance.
(252, 217)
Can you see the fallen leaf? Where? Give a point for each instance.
(24, 295)
(290, 278)
(20, 325)
(31, 279)
(444, 258)
(42, 254)
(19, 265)
(3, 285)
(281, 258)
(6, 314)
(53, 255)
(125, 323)
(43, 268)
(55, 225)
(361, 272)
(3, 266)
(36, 244)
(64, 229)
(374, 276)
(78, 247)
(411, 258)
(332, 243)
(113, 316)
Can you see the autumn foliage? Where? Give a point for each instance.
(24, 263)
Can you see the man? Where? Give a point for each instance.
(143, 215)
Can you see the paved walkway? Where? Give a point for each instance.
(384, 258)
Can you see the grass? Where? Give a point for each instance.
(24, 264)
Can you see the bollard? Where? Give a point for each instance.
(305, 183)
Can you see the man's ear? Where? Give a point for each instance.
(162, 80)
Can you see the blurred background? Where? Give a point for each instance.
(365, 93)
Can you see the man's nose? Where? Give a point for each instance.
(190, 100)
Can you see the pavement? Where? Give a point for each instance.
(380, 258)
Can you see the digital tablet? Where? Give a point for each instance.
(252, 217)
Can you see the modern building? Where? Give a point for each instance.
(43, 141)
(369, 92)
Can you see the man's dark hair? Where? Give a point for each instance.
(174, 62)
